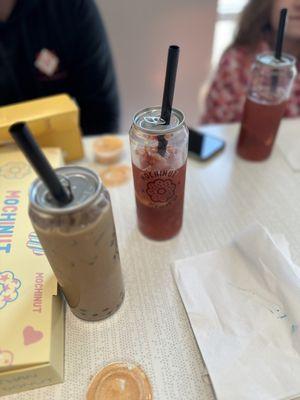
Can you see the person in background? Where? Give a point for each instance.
(256, 33)
(58, 46)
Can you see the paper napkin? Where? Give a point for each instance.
(243, 302)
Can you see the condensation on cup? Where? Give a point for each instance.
(159, 155)
(80, 242)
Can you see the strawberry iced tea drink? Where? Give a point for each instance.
(159, 154)
(270, 88)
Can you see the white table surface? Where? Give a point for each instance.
(223, 196)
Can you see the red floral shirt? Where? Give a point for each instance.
(227, 94)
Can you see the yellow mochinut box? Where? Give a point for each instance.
(54, 121)
(31, 310)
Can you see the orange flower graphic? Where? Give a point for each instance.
(15, 170)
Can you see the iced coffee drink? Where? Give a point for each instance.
(80, 242)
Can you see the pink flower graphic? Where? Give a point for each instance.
(9, 286)
(4, 277)
(161, 190)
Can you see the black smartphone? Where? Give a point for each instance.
(204, 146)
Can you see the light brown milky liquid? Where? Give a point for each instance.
(83, 253)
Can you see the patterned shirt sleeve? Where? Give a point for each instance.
(226, 96)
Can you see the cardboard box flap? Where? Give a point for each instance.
(21, 367)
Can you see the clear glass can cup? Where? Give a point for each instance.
(80, 242)
(159, 155)
(268, 93)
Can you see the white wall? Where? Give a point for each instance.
(140, 32)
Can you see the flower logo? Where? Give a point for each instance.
(161, 190)
(6, 358)
(9, 286)
(15, 170)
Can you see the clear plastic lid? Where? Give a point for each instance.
(269, 60)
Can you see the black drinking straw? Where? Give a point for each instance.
(169, 87)
(280, 33)
(278, 46)
(39, 162)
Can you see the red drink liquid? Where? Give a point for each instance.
(159, 200)
(259, 128)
